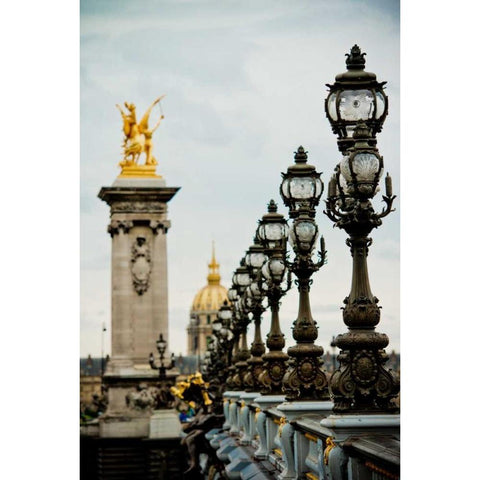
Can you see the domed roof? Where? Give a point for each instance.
(212, 296)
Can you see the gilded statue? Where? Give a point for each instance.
(138, 136)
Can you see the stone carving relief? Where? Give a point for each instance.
(117, 225)
(143, 398)
(135, 207)
(141, 265)
(156, 225)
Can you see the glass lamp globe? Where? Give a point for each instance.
(161, 344)
(255, 259)
(225, 312)
(217, 325)
(301, 186)
(255, 256)
(355, 96)
(272, 229)
(363, 166)
(241, 278)
(274, 269)
(232, 294)
(303, 235)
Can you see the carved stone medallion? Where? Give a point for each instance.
(141, 265)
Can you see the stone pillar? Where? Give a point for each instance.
(138, 226)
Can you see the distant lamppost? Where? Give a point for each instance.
(241, 280)
(219, 349)
(272, 232)
(195, 322)
(361, 383)
(233, 298)
(301, 189)
(355, 96)
(254, 295)
(162, 368)
(222, 328)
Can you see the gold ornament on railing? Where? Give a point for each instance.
(194, 379)
(138, 140)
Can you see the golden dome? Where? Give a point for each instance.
(212, 296)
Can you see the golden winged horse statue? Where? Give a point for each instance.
(138, 136)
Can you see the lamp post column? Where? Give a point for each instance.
(361, 383)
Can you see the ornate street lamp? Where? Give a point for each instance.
(305, 378)
(163, 398)
(355, 96)
(240, 281)
(162, 368)
(254, 296)
(361, 383)
(272, 232)
(161, 345)
(301, 187)
(220, 355)
(233, 356)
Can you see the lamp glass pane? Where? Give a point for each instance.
(380, 105)
(356, 105)
(345, 168)
(257, 259)
(365, 166)
(243, 279)
(285, 189)
(277, 267)
(266, 271)
(225, 314)
(274, 231)
(305, 231)
(332, 108)
(343, 184)
(302, 187)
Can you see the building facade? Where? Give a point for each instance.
(204, 310)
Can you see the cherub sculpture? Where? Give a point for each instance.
(138, 136)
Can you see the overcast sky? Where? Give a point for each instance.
(245, 86)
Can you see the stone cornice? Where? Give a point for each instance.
(137, 194)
